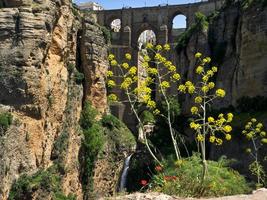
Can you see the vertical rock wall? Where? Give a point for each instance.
(237, 42)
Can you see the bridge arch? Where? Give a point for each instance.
(140, 30)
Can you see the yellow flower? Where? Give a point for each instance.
(128, 56)
(198, 55)
(195, 126)
(188, 83)
(198, 99)
(157, 56)
(191, 89)
(264, 140)
(210, 73)
(182, 88)
(211, 120)
(158, 47)
(151, 104)
(219, 141)
(176, 76)
(146, 58)
(227, 128)
(167, 64)
(194, 110)
(259, 125)
(112, 97)
(212, 139)
(221, 115)
(153, 71)
(205, 89)
(146, 98)
(167, 47)
(211, 85)
(214, 69)
(247, 127)
(125, 65)
(253, 120)
(149, 46)
(230, 117)
(165, 84)
(172, 68)
(111, 83)
(204, 60)
(133, 70)
(111, 57)
(205, 78)
(113, 63)
(109, 73)
(220, 93)
(145, 64)
(156, 112)
(208, 59)
(199, 69)
(200, 138)
(263, 134)
(228, 137)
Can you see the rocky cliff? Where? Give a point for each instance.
(236, 41)
(51, 61)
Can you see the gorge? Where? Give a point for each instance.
(54, 60)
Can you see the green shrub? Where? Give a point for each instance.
(5, 121)
(94, 139)
(111, 122)
(49, 181)
(200, 24)
(92, 143)
(147, 117)
(183, 178)
(88, 116)
(79, 77)
(106, 33)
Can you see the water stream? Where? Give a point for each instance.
(124, 174)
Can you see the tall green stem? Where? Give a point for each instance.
(176, 148)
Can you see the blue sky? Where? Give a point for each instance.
(115, 4)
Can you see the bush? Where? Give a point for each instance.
(111, 122)
(183, 178)
(79, 77)
(49, 181)
(147, 117)
(201, 24)
(5, 121)
(88, 116)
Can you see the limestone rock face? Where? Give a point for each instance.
(237, 43)
(94, 63)
(38, 41)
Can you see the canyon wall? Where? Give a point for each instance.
(236, 40)
(52, 59)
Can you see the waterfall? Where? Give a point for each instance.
(125, 173)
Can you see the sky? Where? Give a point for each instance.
(179, 21)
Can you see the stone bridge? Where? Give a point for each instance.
(136, 20)
(159, 19)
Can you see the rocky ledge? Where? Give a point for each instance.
(260, 194)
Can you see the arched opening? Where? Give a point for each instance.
(179, 25)
(147, 36)
(115, 25)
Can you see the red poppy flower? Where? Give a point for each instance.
(143, 182)
(158, 168)
(170, 178)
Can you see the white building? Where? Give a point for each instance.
(90, 6)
